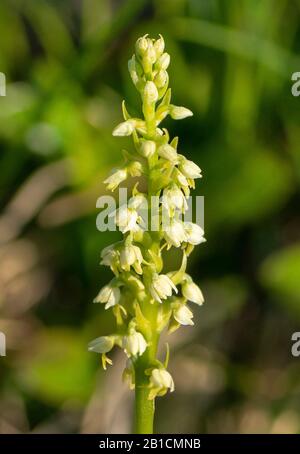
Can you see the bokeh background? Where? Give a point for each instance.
(66, 69)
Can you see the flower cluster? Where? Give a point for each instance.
(143, 298)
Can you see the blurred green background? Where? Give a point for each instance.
(66, 69)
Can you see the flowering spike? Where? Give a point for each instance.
(142, 297)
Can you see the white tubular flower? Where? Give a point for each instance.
(102, 344)
(134, 344)
(147, 148)
(115, 179)
(150, 92)
(161, 287)
(174, 233)
(183, 315)
(125, 128)
(190, 169)
(168, 152)
(160, 381)
(194, 233)
(109, 294)
(192, 292)
(179, 113)
(173, 198)
(131, 256)
(163, 61)
(126, 219)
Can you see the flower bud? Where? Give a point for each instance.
(125, 128)
(147, 148)
(128, 375)
(161, 78)
(150, 92)
(167, 152)
(192, 292)
(183, 315)
(159, 46)
(160, 381)
(134, 344)
(163, 61)
(179, 113)
(150, 54)
(141, 46)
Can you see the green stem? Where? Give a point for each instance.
(144, 408)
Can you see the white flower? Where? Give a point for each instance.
(150, 92)
(161, 287)
(131, 256)
(166, 151)
(102, 344)
(138, 201)
(174, 233)
(160, 381)
(190, 169)
(125, 128)
(178, 113)
(194, 233)
(115, 179)
(110, 257)
(192, 292)
(163, 61)
(174, 198)
(126, 219)
(183, 315)
(109, 294)
(147, 148)
(134, 344)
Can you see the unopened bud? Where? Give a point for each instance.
(168, 152)
(161, 78)
(141, 46)
(163, 61)
(178, 113)
(147, 148)
(123, 129)
(150, 92)
(159, 46)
